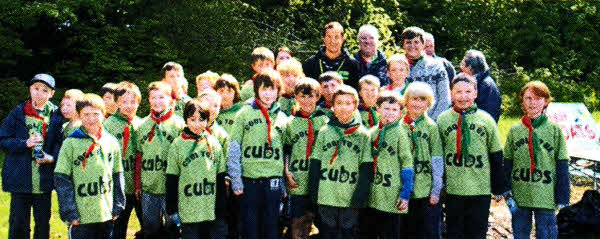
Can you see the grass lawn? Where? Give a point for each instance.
(58, 229)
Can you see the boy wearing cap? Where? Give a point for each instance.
(33, 126)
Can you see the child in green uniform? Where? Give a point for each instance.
(229, 90)
(31, 136)
(536, 163)
(174, 77)
(123, 125)
(195, 173)
(89, 175)
(473, 157)
(262, 60)
(368, 92)
(107, 92)
(154, 136)
(341, 167)
(425, 210)
(213, 100)
(67, 108)
(398, 70)
(291, 72)
(393, 168)
(255, 158)
(299, 136)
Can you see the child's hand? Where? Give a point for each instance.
(239, 192)
(75, 223)
(34, 140)
(433, 200)
(291, 181)
(401, 205)
(115, 218)
(138, 194)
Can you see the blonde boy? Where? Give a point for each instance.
(291, 72)
(261, 59)
(67, 108)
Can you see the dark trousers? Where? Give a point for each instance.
(196, 230)
(424, 221)
(338, 222)
(260, 208)
(153, 215)
(467, 216)
(103, 230)
(234, 218)
(219, 229)
(122, 222)
(20, 215)
(378, 224)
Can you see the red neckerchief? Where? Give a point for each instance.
(412, 62)
(126, 135)
(265, 114)
(185, 136)
(158, 120)
(527, 123)
(458, 135)
(409, 121)
(347, 132)
(90, 149)
(31, 112)
(327, 105)
(376, 146)
(174, 95)
(390, 87)
(310, 131)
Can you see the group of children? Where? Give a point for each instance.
(367, 163)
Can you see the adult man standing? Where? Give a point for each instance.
(488, 94)
(371, 60)
(333, 57)
(426, 69)
(430, 51)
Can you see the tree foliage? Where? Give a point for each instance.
(87, 43)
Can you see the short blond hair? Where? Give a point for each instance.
(128, 87)
(400, 58)
(160, 86)
(334, 26)
(292, 66)
(171, 65)
(262, 53)
(369, 80)
(346, 90)
(212, 77)
(74, 94)
(421, 90)
(211, 94)
(91, 100)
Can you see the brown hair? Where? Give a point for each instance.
(333, 25)
(390, 97)
(331, 75)
(539, 89)
(194, 106)
(308, 86)
(108, 88)
(412, 32)
(125, 87)
(346, 90)
(261, 53)
(462, 77)
(228, 81)
(160, 86)
(269, 78)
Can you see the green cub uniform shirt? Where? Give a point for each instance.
(287, 104)
(155, 148)
(197, 163)
(226, 117)
(428, 145)
(247, 92)
(93, 184)
(338, 179)
(470, 177)
(222, 137)
(116, 125)
(393, 155)
(180, 104)
(69, 128)
(259, 160)
(369, 116)
(537, 190)
(35, 126)
(296, 138)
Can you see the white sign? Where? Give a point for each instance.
(578, 126)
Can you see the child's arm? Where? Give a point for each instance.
(365, 175)
(495, 156)
(8, 135)
(118, 183)
(314, 170)
(234, 153)
(441, 94)
(437, 162)
(172, 183)
(508, 160)
(562, 187)
(221, 196)
(64, 187)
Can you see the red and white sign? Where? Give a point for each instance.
(578, 126)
